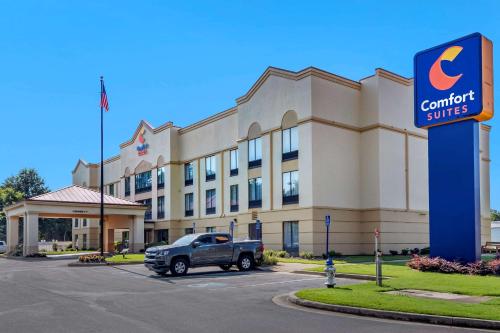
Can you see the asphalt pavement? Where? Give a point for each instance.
(48, 296)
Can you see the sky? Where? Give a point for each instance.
(183, 61)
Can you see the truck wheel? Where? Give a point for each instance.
(246, 262)
(225, 267)
(179, 266)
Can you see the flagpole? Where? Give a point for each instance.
(101, 221)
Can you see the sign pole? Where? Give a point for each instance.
(378, 261)
(101, 216)
(329, 265)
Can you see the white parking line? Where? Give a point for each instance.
(268, 283)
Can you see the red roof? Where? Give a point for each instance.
(78, 194)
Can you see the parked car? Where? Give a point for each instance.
(205, 249)
(3, 247)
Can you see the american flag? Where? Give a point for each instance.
(104, 98)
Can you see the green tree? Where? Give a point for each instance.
(28, 182)
(7, 197)
(495, 215)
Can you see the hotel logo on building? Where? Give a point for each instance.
(142, 148)
(454, 82)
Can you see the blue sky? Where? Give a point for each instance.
(184, 61)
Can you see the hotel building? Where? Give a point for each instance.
(296, 147)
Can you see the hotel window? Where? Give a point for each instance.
(161, 207)
(233, 191)
(188, 174)
(84, 223)
(254, 153)
(210, 201)
(161, 177)
(127, 186)
(162, 235)
(148, 215)
(188, 204)
(290, 187)
(143, 182)
(290, 142)
(255, 193)
(112, 189)
(210, 229)
(233, 162)
(210, 165)
(188, 231)
(76, 223)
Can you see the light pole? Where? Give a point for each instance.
(329, 266)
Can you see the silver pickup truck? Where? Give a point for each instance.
(207, 249)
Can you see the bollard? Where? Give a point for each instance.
(330, 273)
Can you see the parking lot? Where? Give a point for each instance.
(49, 296)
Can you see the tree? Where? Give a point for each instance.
(8, 196)
(28, 182)
(495, 215)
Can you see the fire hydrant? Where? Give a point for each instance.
(330, 273)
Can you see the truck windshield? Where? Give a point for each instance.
(185, 240)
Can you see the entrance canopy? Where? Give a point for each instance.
(75, 202)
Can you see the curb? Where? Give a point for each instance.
(344, 275)
(79, 264)
(403, 316)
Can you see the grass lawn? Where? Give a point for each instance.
(343, 260)
(368, 295)
(129, 258)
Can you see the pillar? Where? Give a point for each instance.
(12, 233)
(136, 234)
(31, 234)
(154, 192)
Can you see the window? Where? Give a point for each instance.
(233, 162)
(210, 165)
(162, 235)
(76, 223)
(161, 177)
(205, 240)
(291, 238)
(210, 201)
(148, 213)
(127, 186)
(188, 174)
(254, 153)
(290, 143)
(188, 231)
(252, 231)
(210, 229)
(234, 198)
(143, 182)
(112, 189)
(85, 241)
(84, 223)
(188, 204)
(161, 207)
(221, 239)
(290, 187)
(255, 192)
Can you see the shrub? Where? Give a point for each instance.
(69, 247)
(424, 264)
(479, 268)
(415, 251)
(405, 252)
(306, 255)
(495, 266)
(54, 247)
(36, 255)
(268, 258)
(282, 254)
(393, 252)
(425, 251)
(91, 258)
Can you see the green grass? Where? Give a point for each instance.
(368, 295)
(129, 258)
(342, 260)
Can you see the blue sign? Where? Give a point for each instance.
(451, 82)
(327, 220)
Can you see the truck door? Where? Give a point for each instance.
(204, 252)
(223, 249)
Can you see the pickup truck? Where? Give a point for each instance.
(204, 249)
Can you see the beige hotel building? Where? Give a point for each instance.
(296, 147)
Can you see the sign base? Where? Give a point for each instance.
(454, 221)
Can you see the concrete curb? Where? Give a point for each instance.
(404, 316)
(343, 275)
(93, 264)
